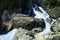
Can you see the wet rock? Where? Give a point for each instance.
(56, 26)
(49, 20)
(40, 27)
(25, 22)
(39, 37)
(34, 31)
(3, 29)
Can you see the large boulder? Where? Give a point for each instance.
(23, 21)
(52, 36)
(41, 23)
(54, 13)
(56, 26)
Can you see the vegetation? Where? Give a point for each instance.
(51, 3)
(12, 4)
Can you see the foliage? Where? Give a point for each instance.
(51, 3)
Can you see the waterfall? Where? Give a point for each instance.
(44, 16)
(38, 14)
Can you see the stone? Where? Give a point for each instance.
(41, 23)
(23, 21)
(54, 13)
(52, 36)
(21, 35)
(56, 26)
(39, 37)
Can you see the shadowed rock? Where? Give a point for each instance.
(25, 22)
(52, 36)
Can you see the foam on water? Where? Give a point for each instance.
(44, 16)
(8, 36)
(38, 14)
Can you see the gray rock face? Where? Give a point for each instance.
(6, 16)
(56, 26)
(53, 36)
(41, 23)
(55, 12)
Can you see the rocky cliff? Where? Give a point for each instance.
(27, 30)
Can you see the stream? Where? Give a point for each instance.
(38, 14)
(44, 16)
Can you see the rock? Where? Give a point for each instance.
(56, 26)
(40, 27)
(54, 13)
(53, 36)
(49, 20)
(6, 27)
(34, 31)
(3, 29)
(27, 22)
(23, 21)
(39, 37)
(41, 23)
(21, 35)
(5, 16)
(49, 36)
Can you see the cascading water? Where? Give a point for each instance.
(44, 16)
(8, 36)
(38, 14)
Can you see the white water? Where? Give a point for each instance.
(43, 15)
(8, 36)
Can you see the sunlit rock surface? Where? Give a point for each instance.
(9, 35)
(21, 35)
(54, 13)
(53, 36)
(23, 21)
